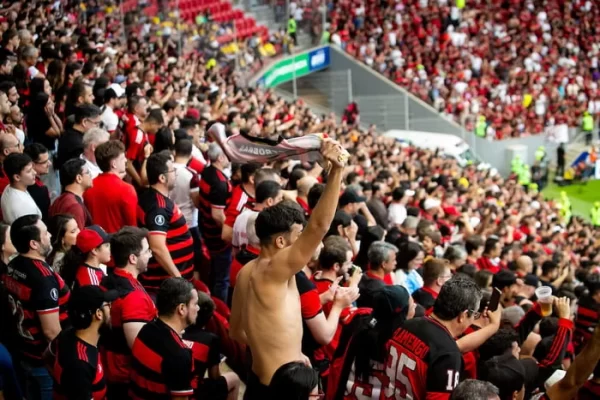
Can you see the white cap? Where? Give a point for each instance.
(431, 203)
(409, 193)
(118, 89)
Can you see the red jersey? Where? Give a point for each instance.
(87, 275)
(484, 263)
(112, 203)
(387, 278)
(133, 305)
(239, 199)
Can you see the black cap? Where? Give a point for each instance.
(349, 197)
(85, 300)
(504, 278)
(531, 280)
(389, 301)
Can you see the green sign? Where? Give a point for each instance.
(295, 66)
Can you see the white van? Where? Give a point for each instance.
(449, 145)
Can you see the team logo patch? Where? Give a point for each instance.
(159, 220)
(54, 294)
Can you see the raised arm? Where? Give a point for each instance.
(296, 256)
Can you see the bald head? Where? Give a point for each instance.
(9, 144)
(525, 264)
(305, 184)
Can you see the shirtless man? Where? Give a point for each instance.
(266, 312)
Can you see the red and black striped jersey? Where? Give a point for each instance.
(239, 199)
(206, 352)
(133, 305)
(162, 364)
(310, 306)
(215, 192)
(589, 391)
(588, 314)
(34, 289)
(161, 216)
(423, 362)
(77, 370)
(87, 275)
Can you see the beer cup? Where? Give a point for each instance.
(544, 296)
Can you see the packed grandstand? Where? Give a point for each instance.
(170, 231)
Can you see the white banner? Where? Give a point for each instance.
(557, 133)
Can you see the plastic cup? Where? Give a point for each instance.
(544, 296)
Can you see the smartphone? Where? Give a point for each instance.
(494, 300)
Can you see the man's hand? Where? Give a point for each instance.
(563, 307)
(344, 297)
(355, 277)
(333, 152)
(148, 149)
(351, 230)
(494, 316)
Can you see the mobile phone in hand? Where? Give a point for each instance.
(494, 300)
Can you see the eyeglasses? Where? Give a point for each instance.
(474, 314)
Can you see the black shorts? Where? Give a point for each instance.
(213, 389)
(255, 390)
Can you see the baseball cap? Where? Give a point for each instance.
(510, 374)
(531, 280)
(118, 89)
(431, 203)
(504, 278)
(451, 211)
(120, 79)
(91, 237)
(87, 299)
(389, 300)
(349, 197)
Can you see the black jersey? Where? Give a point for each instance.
(77, 370)
(33, 290)
(423, 362)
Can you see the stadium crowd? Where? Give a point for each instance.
(519, 65)
(136, 258)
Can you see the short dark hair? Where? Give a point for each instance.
(14, 164)
(125, 242)
(187, 123)
(157, 166)
(134, 100)
(314, 195)
(335, 250)
(295, 176)
(548, 266)
(456, 296)
(473, 242)
(548, 326)
(267, 190)
(278, 220)
(206, 309)
(155, 116)
(5, 86)
(490, 244)
(500, 343)
(70, 170)
(183, 147)
(173, 292)
(472, 389)
(106, 152)
(293, 381)
(86, 111)
(34, 150)
(23, 230)
(249, 170)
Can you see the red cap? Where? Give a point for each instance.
(451, 211)
(90, 238)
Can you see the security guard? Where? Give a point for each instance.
(291, 29)
(565, 207)
(587, 125)
(516, 164)
(595, 214)
(480, 127)
(540, 154)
